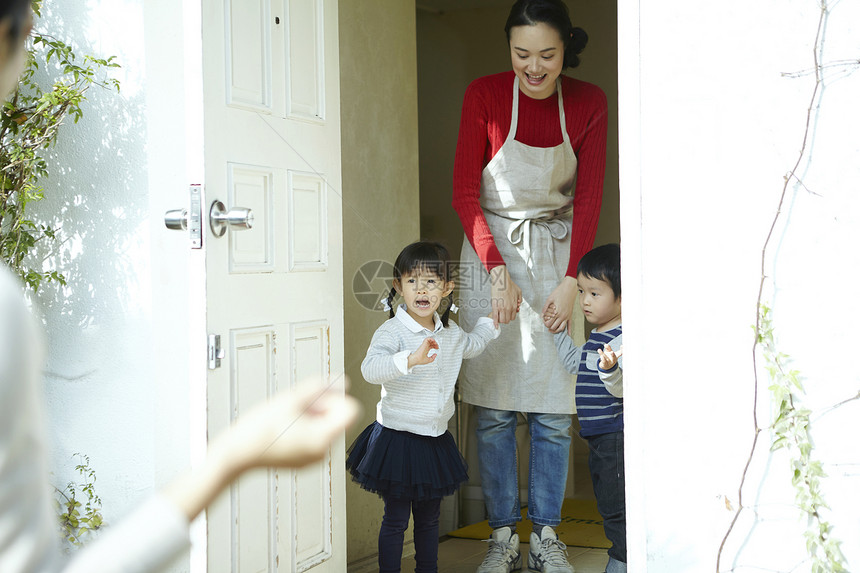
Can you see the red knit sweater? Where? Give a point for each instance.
(484, 125)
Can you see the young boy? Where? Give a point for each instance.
(599, 389)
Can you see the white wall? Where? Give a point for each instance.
(117, 364)
(709, 127)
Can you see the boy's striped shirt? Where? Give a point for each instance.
(599, 411)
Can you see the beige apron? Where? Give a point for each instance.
(527, 198)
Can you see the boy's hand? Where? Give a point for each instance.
(559, 305)
(608, 357)
(422, 354)
(549, 315)
(551, 319)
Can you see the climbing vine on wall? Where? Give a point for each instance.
(791, 431)
(79, 508)
(791, 427)
(29, 124)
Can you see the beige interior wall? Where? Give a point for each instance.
(453, 49)
(379, 142)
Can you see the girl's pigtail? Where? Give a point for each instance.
(447, 312)
(391, 302)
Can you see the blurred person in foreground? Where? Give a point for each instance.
(292, 429)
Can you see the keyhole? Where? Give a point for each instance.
(277, 20)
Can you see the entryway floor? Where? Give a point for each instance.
(464, 556)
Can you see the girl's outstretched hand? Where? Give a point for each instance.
(608, 357)
(422, 355)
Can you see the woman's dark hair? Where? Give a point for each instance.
(603, 263)
(553, 13)
(427, 256)
(18, 14)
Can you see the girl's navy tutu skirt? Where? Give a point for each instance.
(399, 464)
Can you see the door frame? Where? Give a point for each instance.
(194, 174)
(630, 208)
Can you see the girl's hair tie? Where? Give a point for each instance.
(454, 308)
(386, 306)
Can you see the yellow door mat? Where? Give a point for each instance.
(581, 526)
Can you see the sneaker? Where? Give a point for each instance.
(503, 556)
(547, 554)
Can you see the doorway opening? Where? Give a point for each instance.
(457, 43)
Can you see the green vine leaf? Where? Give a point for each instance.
(29, 124)
(79, 520)
(790, 430)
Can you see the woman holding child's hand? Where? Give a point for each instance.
(559, 306)
(505, 296)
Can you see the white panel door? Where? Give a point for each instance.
(274, 292)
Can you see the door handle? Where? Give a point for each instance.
(176, 219)
(237, 218)
(188, 219)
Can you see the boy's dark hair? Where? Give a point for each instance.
(427, 256)
(603, 263)
(553, 13)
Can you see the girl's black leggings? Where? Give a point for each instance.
(425, 530)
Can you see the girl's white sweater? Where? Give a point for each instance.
(421, 399)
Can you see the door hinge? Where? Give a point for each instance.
(215, 352)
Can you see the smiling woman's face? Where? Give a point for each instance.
(537, 57)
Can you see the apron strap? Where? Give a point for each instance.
(515, 111)
(561, 118)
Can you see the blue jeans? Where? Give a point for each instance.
(549, 452)
(606, 463)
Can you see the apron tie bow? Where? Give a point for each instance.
(519, 234)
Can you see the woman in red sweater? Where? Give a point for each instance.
(528, 183)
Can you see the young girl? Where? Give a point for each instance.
(407, 455)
